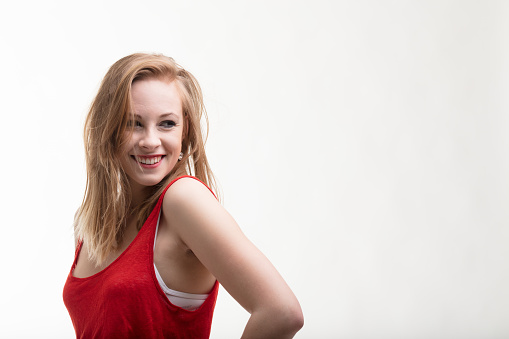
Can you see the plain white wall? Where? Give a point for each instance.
(362, 145)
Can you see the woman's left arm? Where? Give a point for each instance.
(217, 241)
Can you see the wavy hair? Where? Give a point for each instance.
(101, 219)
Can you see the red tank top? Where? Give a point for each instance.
(125, 300)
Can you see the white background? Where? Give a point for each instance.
(361, 145)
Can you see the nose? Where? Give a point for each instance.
(149, 140)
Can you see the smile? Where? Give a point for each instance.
(147, 160)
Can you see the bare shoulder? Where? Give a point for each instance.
(189, 199)
(187, 190)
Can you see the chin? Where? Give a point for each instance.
(148, 182)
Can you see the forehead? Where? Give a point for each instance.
(155, 96)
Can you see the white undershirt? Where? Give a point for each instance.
(187, 301)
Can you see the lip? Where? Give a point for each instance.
(151, 156)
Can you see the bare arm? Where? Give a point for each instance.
(217, 241)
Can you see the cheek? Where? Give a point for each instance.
(124, 151)
(175, 141)
(128, 143)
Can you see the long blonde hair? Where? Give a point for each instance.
(101, 220)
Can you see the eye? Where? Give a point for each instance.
(134, 123)
(168, 123)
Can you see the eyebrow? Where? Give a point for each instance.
(164, 115)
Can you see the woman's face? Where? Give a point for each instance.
(154, 147)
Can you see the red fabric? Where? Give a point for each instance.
(125, 300)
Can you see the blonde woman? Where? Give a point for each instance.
(152, 240)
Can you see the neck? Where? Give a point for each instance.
(138, 194)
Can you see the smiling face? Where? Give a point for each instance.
(153, 148)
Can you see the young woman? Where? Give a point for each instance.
(152, 240)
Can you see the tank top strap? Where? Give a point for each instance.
(76, 253)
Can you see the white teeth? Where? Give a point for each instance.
(148, 161)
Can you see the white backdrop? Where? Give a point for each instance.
(361, 145)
